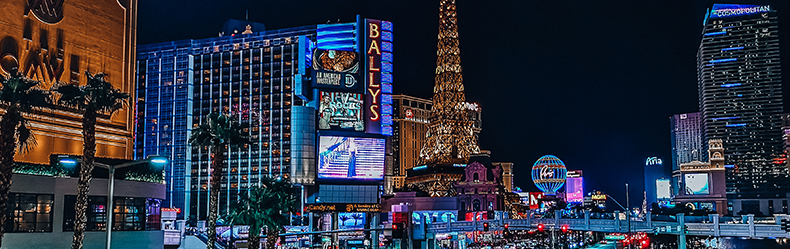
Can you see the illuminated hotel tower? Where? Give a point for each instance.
(740, 98)
(450, 138)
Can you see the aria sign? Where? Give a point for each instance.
(653, 161)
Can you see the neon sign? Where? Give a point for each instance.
(378, 78)
(653, 161)
(728, 10)
(177, 210)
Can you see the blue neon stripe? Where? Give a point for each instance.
(731, 85)
(386, 87)
(715, 33)
(723, 60)
(736, 125)
(386, 26)
(728, 49)
(726, 118)
(385, 56)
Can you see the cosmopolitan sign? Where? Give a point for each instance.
(737, 10)
(378, 76)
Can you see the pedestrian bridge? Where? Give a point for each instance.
(712, 225)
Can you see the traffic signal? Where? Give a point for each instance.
(685, 229)
(785, 225)
(564, 228)
(541, 227)
(485, 227)
(507, 226)
(397, 230)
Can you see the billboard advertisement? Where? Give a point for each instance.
(350, 158)
(574, 190)
(351, 220)
(662, 189)
(340, 111)
(335, 69)
(534, 200)
(378, 76)
(696, 184)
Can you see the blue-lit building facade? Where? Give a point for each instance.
(740, 98)
(686, 137)
(315, 101)
(250, 75)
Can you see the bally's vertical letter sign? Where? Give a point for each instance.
(378, 78)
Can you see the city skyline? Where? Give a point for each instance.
(594, 91)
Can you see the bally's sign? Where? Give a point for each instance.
(378, 76)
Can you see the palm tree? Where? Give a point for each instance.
(264, 206)
(96, 97)
(216, 133)
(17, 95)
(358, 217)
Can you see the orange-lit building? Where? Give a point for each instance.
(58, 40)
(410, 122)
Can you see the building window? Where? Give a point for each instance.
(29, 213)
(476, 177)
(129, 214)
(97, 213)
(476, 205)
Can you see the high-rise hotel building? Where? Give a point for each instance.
(686, 137)
(295, 91)
(250, 74)
(740, 98)
(410, 116)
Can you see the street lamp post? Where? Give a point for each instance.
(68, 161)
(628, 206)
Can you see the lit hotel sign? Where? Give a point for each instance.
(737, 10)
(378, 78)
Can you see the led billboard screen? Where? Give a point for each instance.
(350, 158)
(340, 111)
(351, 220)
(697, 184)
(662, 189)
(335, 69)
(574, 190)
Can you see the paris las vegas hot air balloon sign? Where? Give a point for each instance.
(548, 174)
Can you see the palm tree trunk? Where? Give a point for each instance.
(254, 238)
(272, 235)
(213, 204)
(86, 171)
(8, 125)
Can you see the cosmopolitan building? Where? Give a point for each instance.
(740, 98)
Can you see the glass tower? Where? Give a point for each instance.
(686, 137)
(740, 96)
(164, 113)
(252, 75)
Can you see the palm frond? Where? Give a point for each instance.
(25, 139)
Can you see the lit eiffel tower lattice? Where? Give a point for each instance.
(450, 138)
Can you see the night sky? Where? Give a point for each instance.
(592, 82)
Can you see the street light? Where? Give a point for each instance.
(72, 162)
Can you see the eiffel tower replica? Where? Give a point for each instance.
(450, 139)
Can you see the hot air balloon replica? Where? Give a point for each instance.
(548, 174)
